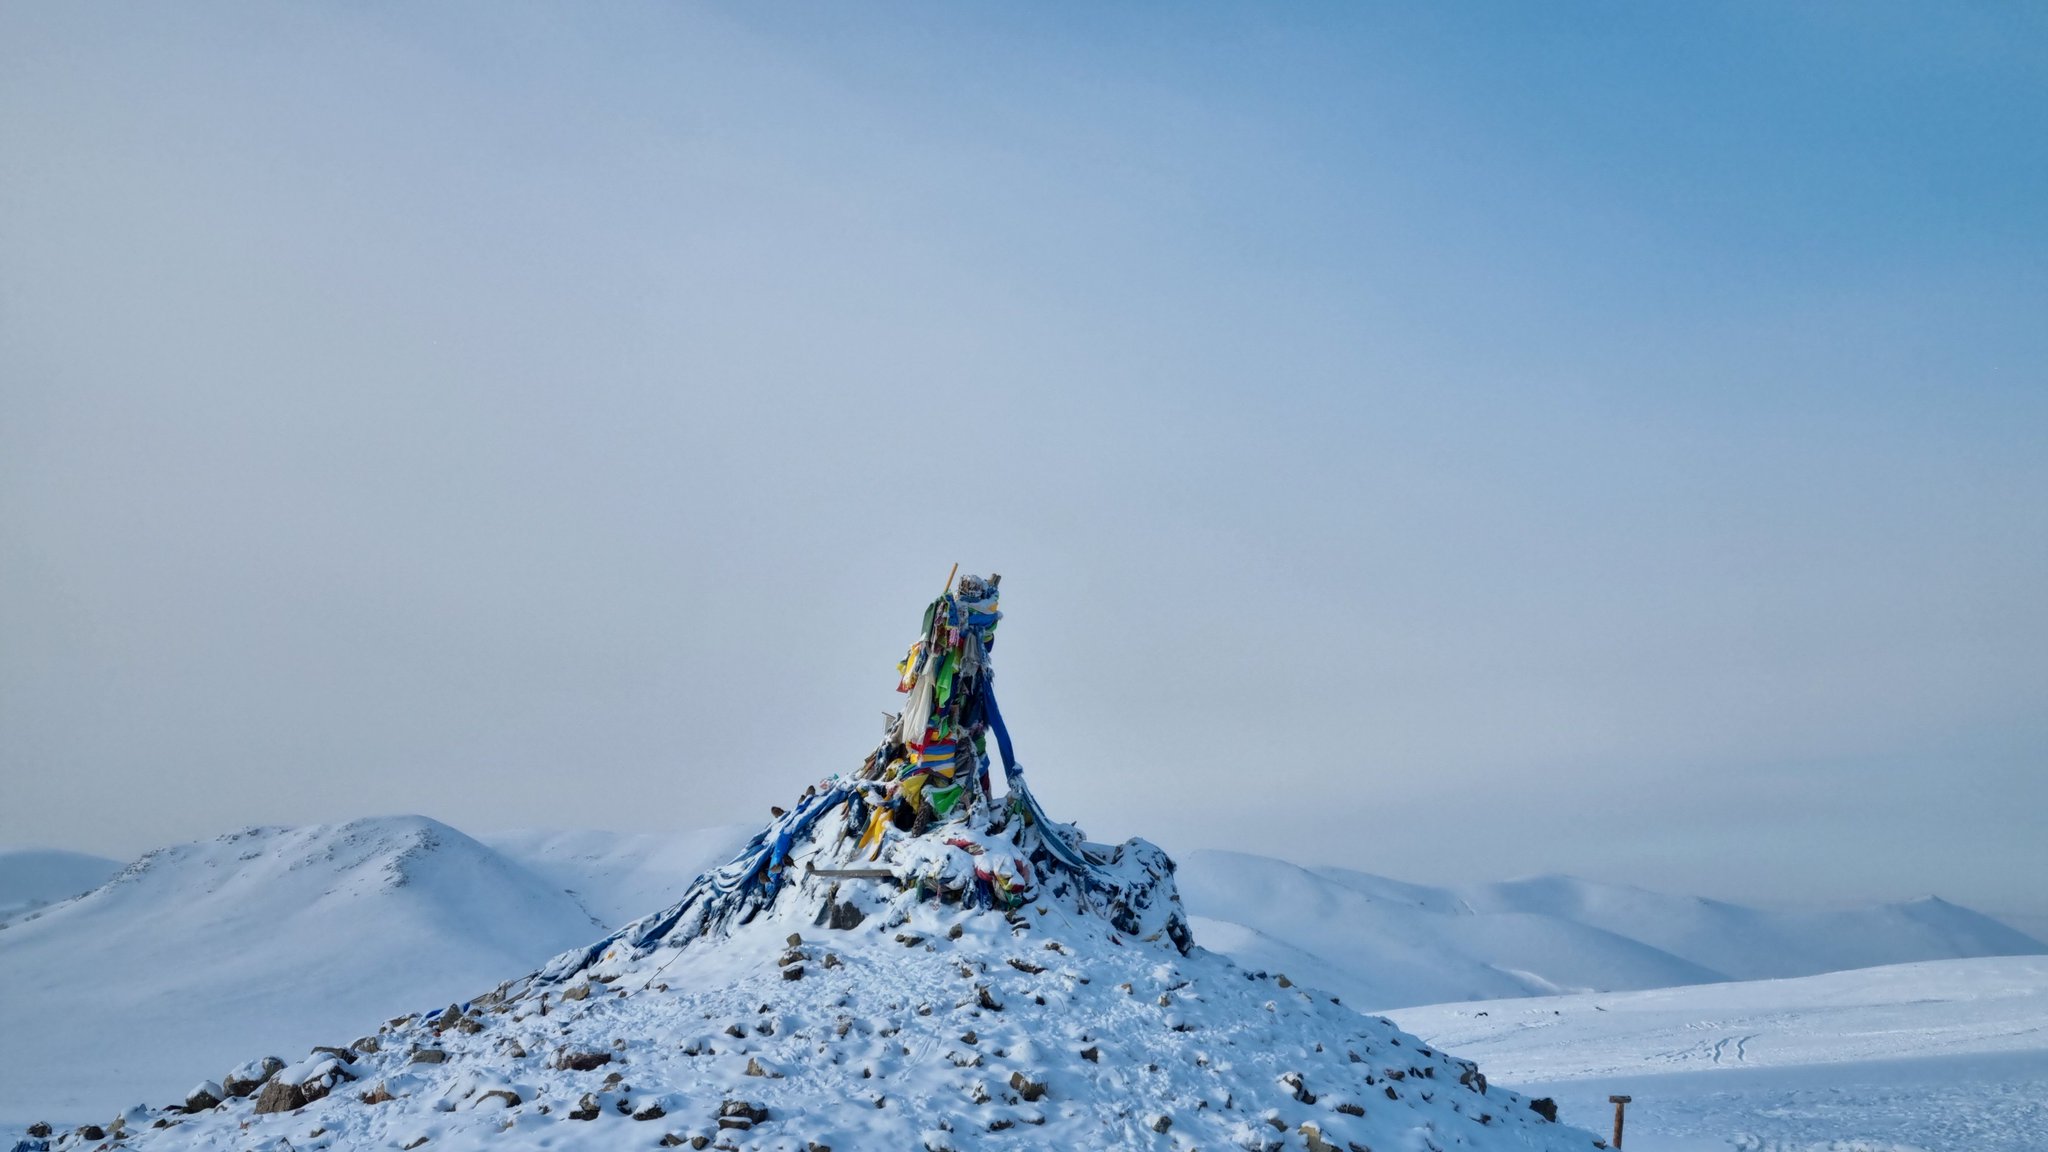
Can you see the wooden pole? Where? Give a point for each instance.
(1620, 1105)
(950, 575)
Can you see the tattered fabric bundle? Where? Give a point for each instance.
(919, 813)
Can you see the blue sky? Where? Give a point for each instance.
(1450, 442)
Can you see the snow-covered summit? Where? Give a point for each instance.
(295, 933)
(902, 959)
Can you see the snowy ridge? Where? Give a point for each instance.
(196, 953)
(617, 876)
(1386, 943)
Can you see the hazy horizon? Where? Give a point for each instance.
(1451, 443)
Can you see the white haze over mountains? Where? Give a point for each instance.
(199, 955)
(1562, 438)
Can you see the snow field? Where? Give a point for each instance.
(1937, 1055)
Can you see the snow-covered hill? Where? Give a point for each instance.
(994, 981)
(1942, 1054)
(618, 876)
(267, 937)
(1385, 943)
(32, 878)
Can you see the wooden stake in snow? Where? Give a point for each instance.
(1620, 1105)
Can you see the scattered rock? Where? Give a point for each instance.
(1545, 1107)
(1312, 1138)
(754, 1069)
(416, 1143)
(909, 939)
(345, 1055)
(587, 1108)
(430, 1056)
(1292, 1081)
(969, 1037)
(736, 1031)
(377, 1095)
(699, 1143)
(795, 939)
(955, 932)
(793, 972)
(367, 1045)
(279, 1096)
(579, 992)
(92, 1132)
(651, 1112)
(743, 1109)
(845, 916)
(831, 959)
(1026, 1087)
(510, 1097)
(249, 1077)
(1023, 965)
(672, 1140)
(1351, 1109)
(1092, 1054)
(1283, 981)
(581, 1061)
(40, 1129)
(987, 1000)
(207, 1095)
(1160, 1123)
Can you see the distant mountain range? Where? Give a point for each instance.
(275, 938)
(36, 877)
(1383, 944)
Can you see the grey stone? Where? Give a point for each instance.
(279, 1096)
(582, 1061)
